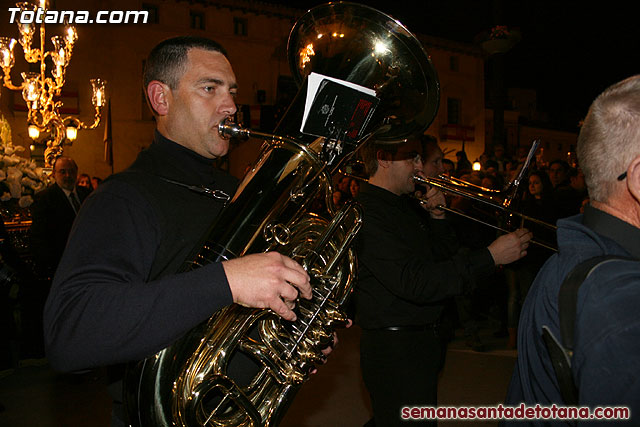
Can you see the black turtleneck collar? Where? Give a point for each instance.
(623, 233)
(381, 193)
(185, 164)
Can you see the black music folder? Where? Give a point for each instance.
(337, 109)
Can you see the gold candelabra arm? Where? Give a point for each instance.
(51, 153)
(78, 124)
(54, 145)
(7, 80)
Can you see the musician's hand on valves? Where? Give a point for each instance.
(432, 200)
(510, 247)
(267, 280)
(328, 349)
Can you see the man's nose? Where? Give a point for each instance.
(228, 106)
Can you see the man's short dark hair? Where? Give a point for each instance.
(167, 61)
(562, 163)
(369, 152)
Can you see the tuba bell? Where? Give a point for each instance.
(243, 366)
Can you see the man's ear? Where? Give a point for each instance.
(159, 95)
(383, 158)
(633, 178)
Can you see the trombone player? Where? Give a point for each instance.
(407, 269)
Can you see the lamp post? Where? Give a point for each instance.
(497, 43)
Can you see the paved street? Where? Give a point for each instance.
(37, 396)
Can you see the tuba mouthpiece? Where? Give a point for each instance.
(228, 129)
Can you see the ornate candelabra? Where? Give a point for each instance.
(40, 91)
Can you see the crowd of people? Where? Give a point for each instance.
(346, 188)
(119, 293)
(548, 194)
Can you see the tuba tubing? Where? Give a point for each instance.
(192, 382)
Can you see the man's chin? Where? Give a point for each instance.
(220, 148)
(410, 188)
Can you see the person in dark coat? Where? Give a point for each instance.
(409, 266)
(53, 212)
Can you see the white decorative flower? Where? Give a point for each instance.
(25, 201)
(15, 188)
(31, 173)
(28, 182)
(20, 177)
(39, 186)
(11, 160)
(13, 174)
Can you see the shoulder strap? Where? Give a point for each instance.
(568, 295)
(561, 352)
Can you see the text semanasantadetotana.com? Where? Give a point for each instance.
(521, 412)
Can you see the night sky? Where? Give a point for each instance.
(570, 50)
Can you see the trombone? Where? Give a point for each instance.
(498, 199)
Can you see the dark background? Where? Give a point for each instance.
(570, 51)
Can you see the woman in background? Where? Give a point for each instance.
(519, 275)
(84, 180)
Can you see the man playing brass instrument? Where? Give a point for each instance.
(407, 269)
(116, 296)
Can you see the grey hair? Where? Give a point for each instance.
(610, 137)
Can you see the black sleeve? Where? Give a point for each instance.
(102, 309)
(407, 272)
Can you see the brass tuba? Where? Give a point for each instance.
(243, 366)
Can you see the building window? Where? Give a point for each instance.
(240, 26)
(453, 111)
(152, 11)
(197, 20)
(454, 63)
